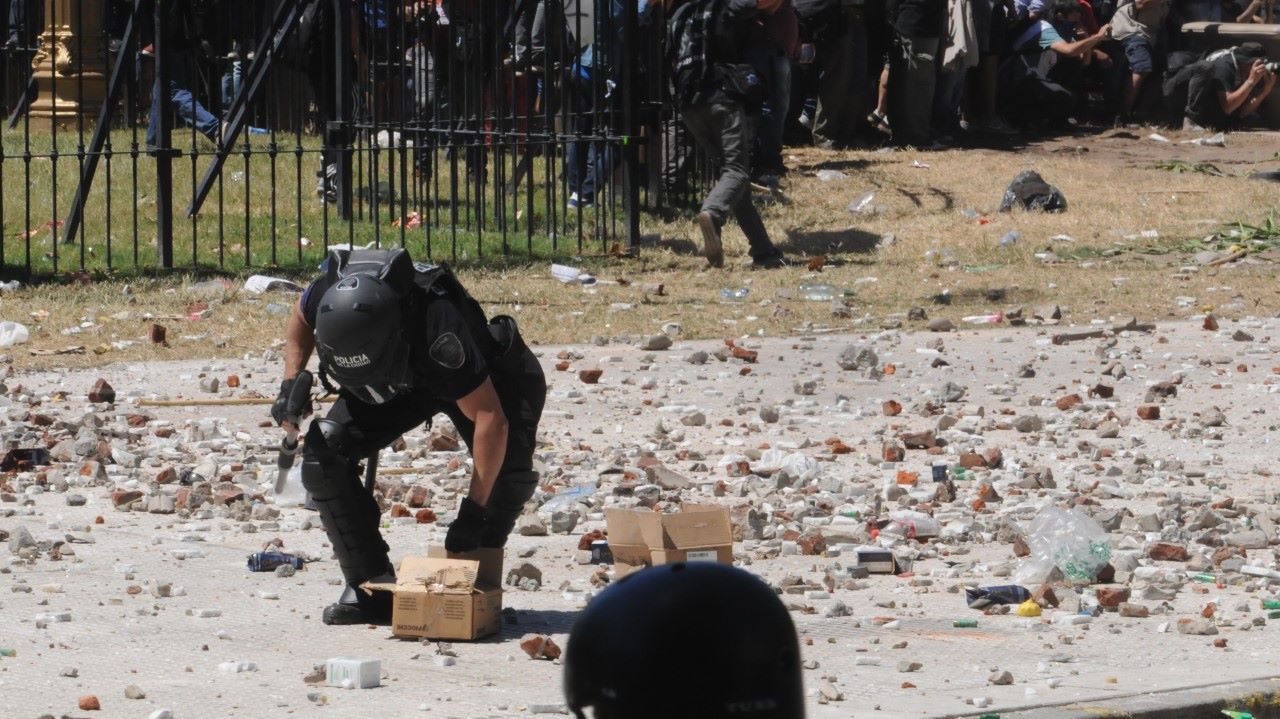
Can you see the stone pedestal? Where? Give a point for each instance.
(70, 67)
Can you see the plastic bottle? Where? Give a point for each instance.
(994, 318)
(1256, 571)
(912, 525)
(732, 294)
(965, 624)
(1271, 604)
(818, 292)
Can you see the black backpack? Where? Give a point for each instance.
(418, 282)
(694, 76)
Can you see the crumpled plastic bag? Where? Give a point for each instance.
(257, 284)
(1030, 192)
(793, 464)
(1068, 540)
(12, 333)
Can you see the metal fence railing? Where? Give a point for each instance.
(227, 134)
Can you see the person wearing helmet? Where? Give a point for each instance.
(404, 342)
(685, 641)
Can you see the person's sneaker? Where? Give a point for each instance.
(710, 239)
(576, 202)
(879, 121)
(1190, 126)
(772, 262)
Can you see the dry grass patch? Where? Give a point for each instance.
(1115, 193)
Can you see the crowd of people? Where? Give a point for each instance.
(736, 79)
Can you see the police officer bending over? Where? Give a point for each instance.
(402, 342)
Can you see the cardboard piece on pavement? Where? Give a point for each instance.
(443, 596)
(641, 537)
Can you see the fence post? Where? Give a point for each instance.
(164, 137)
(630, 99)
(338, 132)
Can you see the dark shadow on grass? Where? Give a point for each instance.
(677, 245)
(818, 242)
(842, 165)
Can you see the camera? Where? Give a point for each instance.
(1272, 66)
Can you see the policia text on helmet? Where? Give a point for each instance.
(403, 342)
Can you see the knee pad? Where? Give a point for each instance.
(512, 490)
(349, 513)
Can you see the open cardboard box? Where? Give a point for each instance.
(446, 596)
(642, 538)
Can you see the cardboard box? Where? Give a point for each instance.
(442, 596)
(642, 538)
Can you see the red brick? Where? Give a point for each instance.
(102, 392)
(1066, 403)
(1165, 552)
(1112, 597)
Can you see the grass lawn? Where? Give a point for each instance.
(263, 210)
(1132, 243)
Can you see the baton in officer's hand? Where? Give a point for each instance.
(299, 395)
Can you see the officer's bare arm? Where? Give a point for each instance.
(299, 342)
(489, 446)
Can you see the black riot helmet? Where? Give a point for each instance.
(685, 641)
(360, 337)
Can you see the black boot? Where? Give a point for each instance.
(356, 606)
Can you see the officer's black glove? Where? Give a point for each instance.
(464, 533)
(280, 408)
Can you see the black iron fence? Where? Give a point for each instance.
(248, 133)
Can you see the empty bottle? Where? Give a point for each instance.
(818, 292)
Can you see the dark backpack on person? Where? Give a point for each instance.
(697, 74)
(419, 283)
(694, 77)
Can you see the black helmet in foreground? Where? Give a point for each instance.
(685, 641)
(360, 338)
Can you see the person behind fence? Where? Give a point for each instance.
(1039, 80)
(719, 96)
(180, 28)
(1137, 25)
(685, 641)
(917, 27)
(403, 342)
(1221, 90)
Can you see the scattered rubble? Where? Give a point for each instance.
(1102, 484)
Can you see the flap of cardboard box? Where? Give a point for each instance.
(696, 525)
(633, 527)
(431, 574)
(489, 574)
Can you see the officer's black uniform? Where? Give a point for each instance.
(451, 351)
